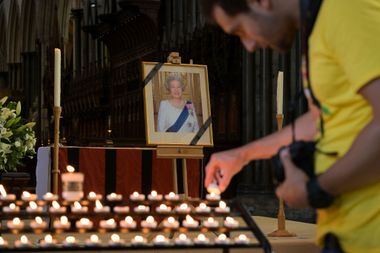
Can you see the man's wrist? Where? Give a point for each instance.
(318, 197)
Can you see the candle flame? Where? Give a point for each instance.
(70, 239)
(24, 239)
(48, 195)
(182, 237)
(70, 168)
(160, 238)
(2, 242)
(64, 220)
(84, 221)
(55, 205)
(12, 206)
(16, 221)
(171, 219)
(25, 194)
(77, 205)
(110, 221)
(153, 193)
(163, 207)
(139, 238)
(222, 237)
(171, 194)
(202, 206)
(243, 237)
(94, 238)
(48, 238)
(183, 206)
(115, 238)
(2, 191)
(38, 220)
(211, 219)
(150, 219)
(201, 237)
(129, 219)
(222, 204)
(189, 219)
(230, 219)
(113, 195)
(33, 205)
(98, 204)
(135, 194)
(92, 195)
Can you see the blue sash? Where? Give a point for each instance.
(180, 120)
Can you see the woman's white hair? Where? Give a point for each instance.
(173, 77)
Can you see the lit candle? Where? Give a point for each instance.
(114, 197)
(92, 196)
(203, 208)
(128, 222)
(163, 209)
(33, 208)
(141, 209)
(183, 208)
(149, 222)
(70, 241)
(171, 222)
(12, 208)
(222, 208)
(280, 92)
(26, 196)
(138, 240)
(121, 209)
(48, 241)
(84, 223)
(50, 196)
(108, 224)
(201, 239)
(182, 239)
(23, 242)
(62, 223)
(72, 184)
(213, 196)
(213, 187)
(56, 208)
(38, 223)
(57, 77)
(93, 241)
(160, 240)
(172, 196)
(154, 196)
(115, 240)
(242, 239)
(222, 239)
(15, 224)
(3, 243)
(5, 196)
(135, 196)
(231, 222)
(211, 223)
(99, 208)
(78, 208)
(190, 222)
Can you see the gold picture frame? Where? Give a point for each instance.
(167, 123)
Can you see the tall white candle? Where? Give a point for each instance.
(57, 77)
(280, 92)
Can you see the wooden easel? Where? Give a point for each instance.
(179, 151)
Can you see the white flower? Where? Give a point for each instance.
(17, 144)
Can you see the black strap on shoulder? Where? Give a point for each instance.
(152, 73)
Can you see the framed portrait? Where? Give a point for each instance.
(177, 104)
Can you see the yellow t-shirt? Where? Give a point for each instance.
(344, 56)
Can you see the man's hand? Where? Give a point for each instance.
(223, 166)
(293, 189)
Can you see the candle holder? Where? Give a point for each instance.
(72, 185)
(57, 115)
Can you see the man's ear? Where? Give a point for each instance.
(265, 4)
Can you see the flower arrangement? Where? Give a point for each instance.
(17, 138)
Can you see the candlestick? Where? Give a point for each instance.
(57, 115)
(72, 184)
(108, 224)
(161, 240)
(23, 242)
(182, 239)
(92, 196)
(135, 196)
(115, 240)
(3, 243)
(222, 208)
(190, 222)
(62, 223)
(172, 196)
(38, 224)
(280, 92)
(57, 208)
(128, 222)
(50, 196)
(121, 209)
(138, 240)
(213, 196)
(57, 77)
(12, 208)
(201, 239)
(78, 208)
(93, 241)
(149, 222)
(99, 208)
(141, 209)
(202, 208)
(114, 197)
(154, 196)
(231, 222)
(163, 209)
(48, 241)
(84, 223)
(26, 196)
(171, 222)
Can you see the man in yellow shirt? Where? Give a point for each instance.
(344, 73)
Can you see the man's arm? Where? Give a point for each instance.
(224, 165)
(360, 165)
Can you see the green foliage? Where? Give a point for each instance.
(17, 137)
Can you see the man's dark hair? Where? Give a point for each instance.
(231, 7)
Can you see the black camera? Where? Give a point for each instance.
(302, 155)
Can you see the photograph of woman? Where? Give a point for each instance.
(176, 114)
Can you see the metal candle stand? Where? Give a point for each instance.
(236, 205)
